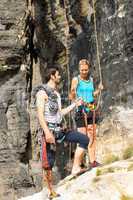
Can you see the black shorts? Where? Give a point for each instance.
(80, 121)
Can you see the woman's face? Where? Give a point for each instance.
(84, 70)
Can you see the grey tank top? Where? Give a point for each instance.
(52, 115)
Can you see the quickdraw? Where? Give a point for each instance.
(90, 106)
(85, 108)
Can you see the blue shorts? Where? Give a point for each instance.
(70, 136)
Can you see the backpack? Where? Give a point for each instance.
(52, 97)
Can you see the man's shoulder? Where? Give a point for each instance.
(41, 93)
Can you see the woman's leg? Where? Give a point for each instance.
(84, 163)
(92, 146)
(92, 143)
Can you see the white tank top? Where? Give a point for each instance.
(53, 117)
(49, 114)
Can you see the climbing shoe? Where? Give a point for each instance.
(53, 195)
(95, 164)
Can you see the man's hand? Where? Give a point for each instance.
(49, 137)
(78, 102)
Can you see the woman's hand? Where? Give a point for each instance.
(100, 86)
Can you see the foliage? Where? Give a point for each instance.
(128, 153)
(96, 179)
(130, 168)
(98, 172)
(125, 197)
(105, 171)
(110, 159)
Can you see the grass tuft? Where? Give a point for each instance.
(130, 168)
(128, 152)
(110, 159)
(125, 197)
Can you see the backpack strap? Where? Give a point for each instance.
(43, 87)
(91, 78)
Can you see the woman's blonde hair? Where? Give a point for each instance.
(84, 61)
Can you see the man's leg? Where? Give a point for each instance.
(78, 157)
(48, 158)
(47, 177)
(82, 140)
(83, 131)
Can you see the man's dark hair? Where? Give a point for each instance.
(49, 72)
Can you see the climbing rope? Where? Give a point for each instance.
(99, 67)
(97, 53)
(68, 74)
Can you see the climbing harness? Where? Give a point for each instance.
(85, 109)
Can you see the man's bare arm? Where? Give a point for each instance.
(72, 97)
(74, 83)
(40, 102)
(68, 109)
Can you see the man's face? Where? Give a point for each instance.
(57, 77)
(84, 70)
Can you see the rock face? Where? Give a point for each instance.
(112, 181)
(35, 35)
(14, 117)
(65, 32)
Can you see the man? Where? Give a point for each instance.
(83, 87)
(50, 114)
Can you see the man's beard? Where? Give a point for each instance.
(57, 82)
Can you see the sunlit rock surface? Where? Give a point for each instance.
(46, 34)
(114, 183)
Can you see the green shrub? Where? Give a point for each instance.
(110, 170)
(125, 197)
(130, 168)
(98, 172)
(96, 179)
(128, 152)
(110, 159)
